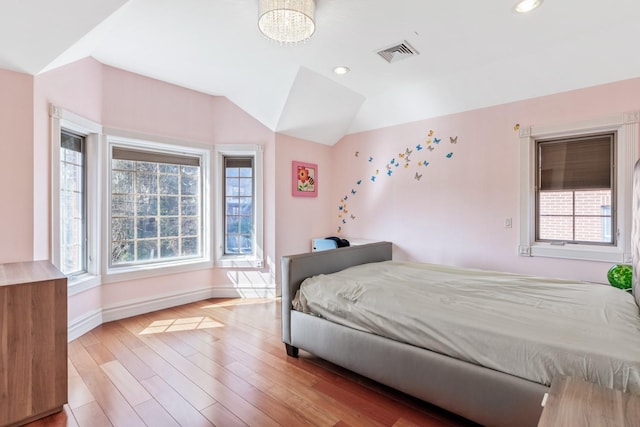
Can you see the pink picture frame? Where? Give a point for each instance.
(304, 179)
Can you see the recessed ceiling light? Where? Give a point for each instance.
(525, 6)
(341, 70)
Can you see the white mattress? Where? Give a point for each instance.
(526, 326)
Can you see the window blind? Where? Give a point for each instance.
(121, 153)
(238, 162)
(576, 164)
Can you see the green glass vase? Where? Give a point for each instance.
(620, 276)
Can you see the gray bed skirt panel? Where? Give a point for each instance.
(485, 396)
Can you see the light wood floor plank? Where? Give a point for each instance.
(221, 362)
(125, 382)
(185, 414)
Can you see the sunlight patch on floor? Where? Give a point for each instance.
(183, 324)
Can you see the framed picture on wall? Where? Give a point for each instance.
(304, 179)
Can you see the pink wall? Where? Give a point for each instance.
(299, 219)
(77, 87)
(125, 101)
(455, 213)
(16, 166)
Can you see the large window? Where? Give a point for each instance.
(156, 206)
(72, 202)
(239, 205)
(576, 190)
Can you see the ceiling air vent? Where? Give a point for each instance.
(398, 52)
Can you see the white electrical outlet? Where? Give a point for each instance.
(507, 223)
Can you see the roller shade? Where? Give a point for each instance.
(238, 162)
(120, 153)
(583, 164)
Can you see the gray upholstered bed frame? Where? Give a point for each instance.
(482, 395)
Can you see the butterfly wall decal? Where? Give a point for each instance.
(418, 176)
(418, 147)
(450, 155)
(453, 140)
(436, 140)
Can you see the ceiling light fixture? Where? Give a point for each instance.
(287, 21)
(341, 70)
(525, 6)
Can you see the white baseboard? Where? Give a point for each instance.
(85, 323)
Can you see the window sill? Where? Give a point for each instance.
(579, 252)
(248, 261)
(144, 271)
(82, 282)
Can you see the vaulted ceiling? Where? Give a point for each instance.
(472, 53)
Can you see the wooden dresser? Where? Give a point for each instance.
(33, 341)
(574, 402)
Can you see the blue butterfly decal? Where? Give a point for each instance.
(359, 182)
(418, 147)
(449, 155)
(389, 172)
(436, 140)
(370, 159)
(373, 178)
(353, 191)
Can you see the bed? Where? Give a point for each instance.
(479, 391)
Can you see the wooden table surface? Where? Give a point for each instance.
(574, 402)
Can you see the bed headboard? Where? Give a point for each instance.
(296, 268)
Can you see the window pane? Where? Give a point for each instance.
(147, 227)
(556, 228)
(590, 229)
(146, 183)
(72, 199)
(189, 185)
(122, 182)
(122, 252)
(169, 184)
(169, 205)
(189, 227)
(556, 203)
(122, 229)
(232, 187)
(232, 225)
(246, 187)
(155, 208)
(169, 248)
(189, 206)
(591, 202)
(246, 225)
(147, 250)
(169, 227)
(147, 205)
(190, 246)
(122, 205)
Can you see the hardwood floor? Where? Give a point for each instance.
(220, 362)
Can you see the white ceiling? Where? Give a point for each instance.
(472, 53)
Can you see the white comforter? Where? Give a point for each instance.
(526, 326)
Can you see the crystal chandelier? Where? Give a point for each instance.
(287, 21)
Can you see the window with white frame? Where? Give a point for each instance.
(239, 206)
(75, 233)
(576, 189)
(158, 203)
(72, 197)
